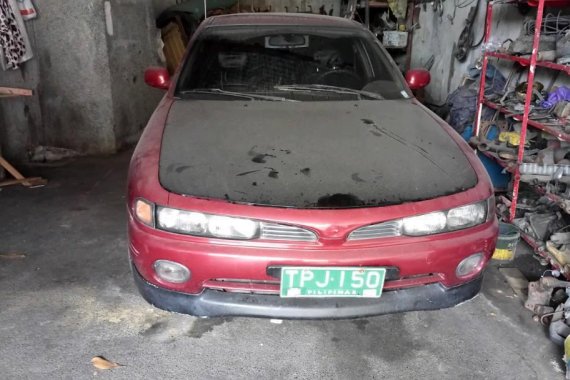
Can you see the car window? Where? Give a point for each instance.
(302, 64)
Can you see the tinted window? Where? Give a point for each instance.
(294, 63)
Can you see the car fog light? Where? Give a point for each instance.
(170, 271)
(470, 265)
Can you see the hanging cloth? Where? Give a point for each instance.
(11, 38)
(27, 9)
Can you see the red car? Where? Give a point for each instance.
(289, 172)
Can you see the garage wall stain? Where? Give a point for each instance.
(86, 95)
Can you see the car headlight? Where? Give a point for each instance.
(199, 224)
(445, 221)
(466, 216)
(428, 224)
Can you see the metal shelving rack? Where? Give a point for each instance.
(532, 63)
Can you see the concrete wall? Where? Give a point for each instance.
(160, 5)
(304, 5)
(437, 36)
(132, 48)
(74, 79)
(21, 118)
(88, 91)
(276, 5)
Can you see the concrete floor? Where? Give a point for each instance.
(72, 298)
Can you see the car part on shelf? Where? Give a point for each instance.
(545, 157)
(535, 179)
(562, 109)
(559, 154)
(529, 204)
(564, 204)
(552, 24)
(520, 91)
(548, 170)
(546, 55)
(485, 145)
(519, 107)
(523, 44)
(543, 225)
(563, 46)
(511, 138)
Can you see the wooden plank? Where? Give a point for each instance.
(174, 45)
(12, 91)
(33, 181)
(10, 169)
(19, 178)
(12, 255)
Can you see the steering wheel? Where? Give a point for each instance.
(340, 78)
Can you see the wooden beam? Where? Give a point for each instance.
(19, 178)
(33, 181)
(12, 91)
(10, 169)
(6, 92)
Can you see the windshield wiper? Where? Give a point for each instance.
(236, 94)
(326, 88)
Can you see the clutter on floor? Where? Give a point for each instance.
(533, 176)
(18, 179)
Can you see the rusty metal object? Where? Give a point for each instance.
(490, 146)
(542, 225)
(520, 91)
(560, 252)
(508, 156)
(540, 292)
(565, 205)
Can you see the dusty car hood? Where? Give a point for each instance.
(310, 154)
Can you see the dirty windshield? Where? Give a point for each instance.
(289, 64)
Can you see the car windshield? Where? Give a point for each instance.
(288, 64)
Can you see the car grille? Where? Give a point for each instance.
(274, 231)
(374, 231)
(272, 287)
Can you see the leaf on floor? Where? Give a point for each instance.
(100, 362)
(12, 256)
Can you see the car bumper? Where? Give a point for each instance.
(214, 303)
(244, 266)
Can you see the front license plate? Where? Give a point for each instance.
(332, 282)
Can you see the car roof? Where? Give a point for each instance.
(281, 19)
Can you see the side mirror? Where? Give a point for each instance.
(157, 77)
(418, 78)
